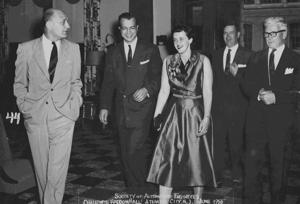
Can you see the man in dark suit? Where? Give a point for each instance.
(48, 90)
(133, 70)
(229, 103)
(271, 82)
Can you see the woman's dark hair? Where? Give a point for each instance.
(188, 30)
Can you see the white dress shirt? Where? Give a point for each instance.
(277, 54)
(47, 47)
(133, 46)
(232, 54)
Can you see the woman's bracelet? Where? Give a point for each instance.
(207, 116)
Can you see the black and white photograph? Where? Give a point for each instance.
(150, 101)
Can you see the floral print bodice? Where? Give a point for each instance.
(185, 79)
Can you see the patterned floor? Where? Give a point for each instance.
(94, 175)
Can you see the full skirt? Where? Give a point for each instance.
(181, 158)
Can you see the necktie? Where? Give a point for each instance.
(53, 62)
(227, 63)
(129, 56)
(271, 62)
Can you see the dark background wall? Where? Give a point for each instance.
(214, 14)
(143, 10)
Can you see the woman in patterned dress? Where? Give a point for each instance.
(182, 156)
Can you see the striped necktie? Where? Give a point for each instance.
(53, 62)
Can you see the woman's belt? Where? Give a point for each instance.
(187, 97)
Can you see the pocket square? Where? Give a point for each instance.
(288, 71)
(144, 62)
(242, 66)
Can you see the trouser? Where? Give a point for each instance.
(228, 143)
(262, 143)
(135, 154)
(50, 141)
(5, 153)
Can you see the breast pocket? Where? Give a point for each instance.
(143, 66)
(36, 73)
(144, 62)
(65, 71)
(287, 80)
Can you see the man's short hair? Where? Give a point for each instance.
(128, 16)
(232, 23)
(47, 16)
(279, 21)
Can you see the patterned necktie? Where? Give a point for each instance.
(271, 62)
(53, 62)
(227, 63)
(129, 56)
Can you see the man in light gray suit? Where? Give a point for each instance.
(48, 90)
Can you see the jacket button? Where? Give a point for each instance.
(51, 89)
(46, 102)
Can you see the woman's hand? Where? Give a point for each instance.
(203, 127)
(157, 122)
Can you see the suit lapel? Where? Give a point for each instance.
(62, 57)
(282, 62)
(137, 53)
(122, 65)
(263, 69)
(265, 57)
(238, 56)
(265, 62)
(40, 58)
(122, 52)
(221, 66)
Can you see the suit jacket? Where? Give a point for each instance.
(32, 86)
(285, 80)
(227, 91)
(145, 71)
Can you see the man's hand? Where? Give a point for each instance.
(233, 68)
(140, 94)
(267, 96)
(103, 116)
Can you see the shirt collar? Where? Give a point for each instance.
(279, 50)
(132, 44)
(233, 48)
(48, 42)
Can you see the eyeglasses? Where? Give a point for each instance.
(272, 34)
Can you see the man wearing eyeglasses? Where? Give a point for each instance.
(272, 78)
(133, 70)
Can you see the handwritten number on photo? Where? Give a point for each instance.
(13, 116)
